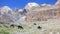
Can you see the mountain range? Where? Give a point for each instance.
(31, 12)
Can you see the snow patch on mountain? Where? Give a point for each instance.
(30, 5)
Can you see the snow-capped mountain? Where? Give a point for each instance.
(7, 15)
(30, 5)
(44, 4)
(5, 9)
(17, 15)
(20, 10)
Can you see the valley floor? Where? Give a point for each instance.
(47, 27)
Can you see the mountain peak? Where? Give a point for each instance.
(30, 5)
(6, 7)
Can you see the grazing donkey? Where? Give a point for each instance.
(20, 27)
(12, 25)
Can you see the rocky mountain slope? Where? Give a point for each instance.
(31, 12)
(44, 12)
(7, 15)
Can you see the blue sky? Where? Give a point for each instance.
(22, 3)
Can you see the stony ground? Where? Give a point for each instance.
(47, 27)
